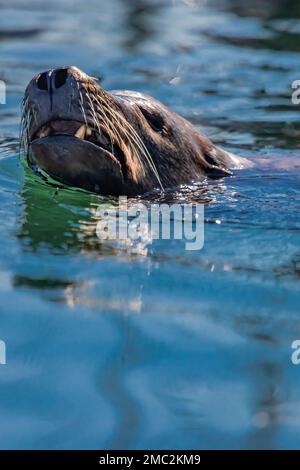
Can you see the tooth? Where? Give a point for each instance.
(45, 131)
(88, 132)
(81, 132)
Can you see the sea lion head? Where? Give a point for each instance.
(111, 143)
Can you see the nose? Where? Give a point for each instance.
(53, 79)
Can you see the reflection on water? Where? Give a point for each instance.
(112, 347)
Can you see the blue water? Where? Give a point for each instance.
(168, 348)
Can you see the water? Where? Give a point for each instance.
(107, 348)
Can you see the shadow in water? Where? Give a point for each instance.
(59, 225)
(56, 218)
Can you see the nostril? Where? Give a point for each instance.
(60, 77)
(42, 81)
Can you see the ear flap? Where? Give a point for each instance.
(218, 162)
(153, 118)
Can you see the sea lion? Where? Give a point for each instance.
(112, 143)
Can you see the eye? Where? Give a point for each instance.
(154, 120)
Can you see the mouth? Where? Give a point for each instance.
(99, 138)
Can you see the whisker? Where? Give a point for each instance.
(82, 104)
(132, 137)
(110, 125)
